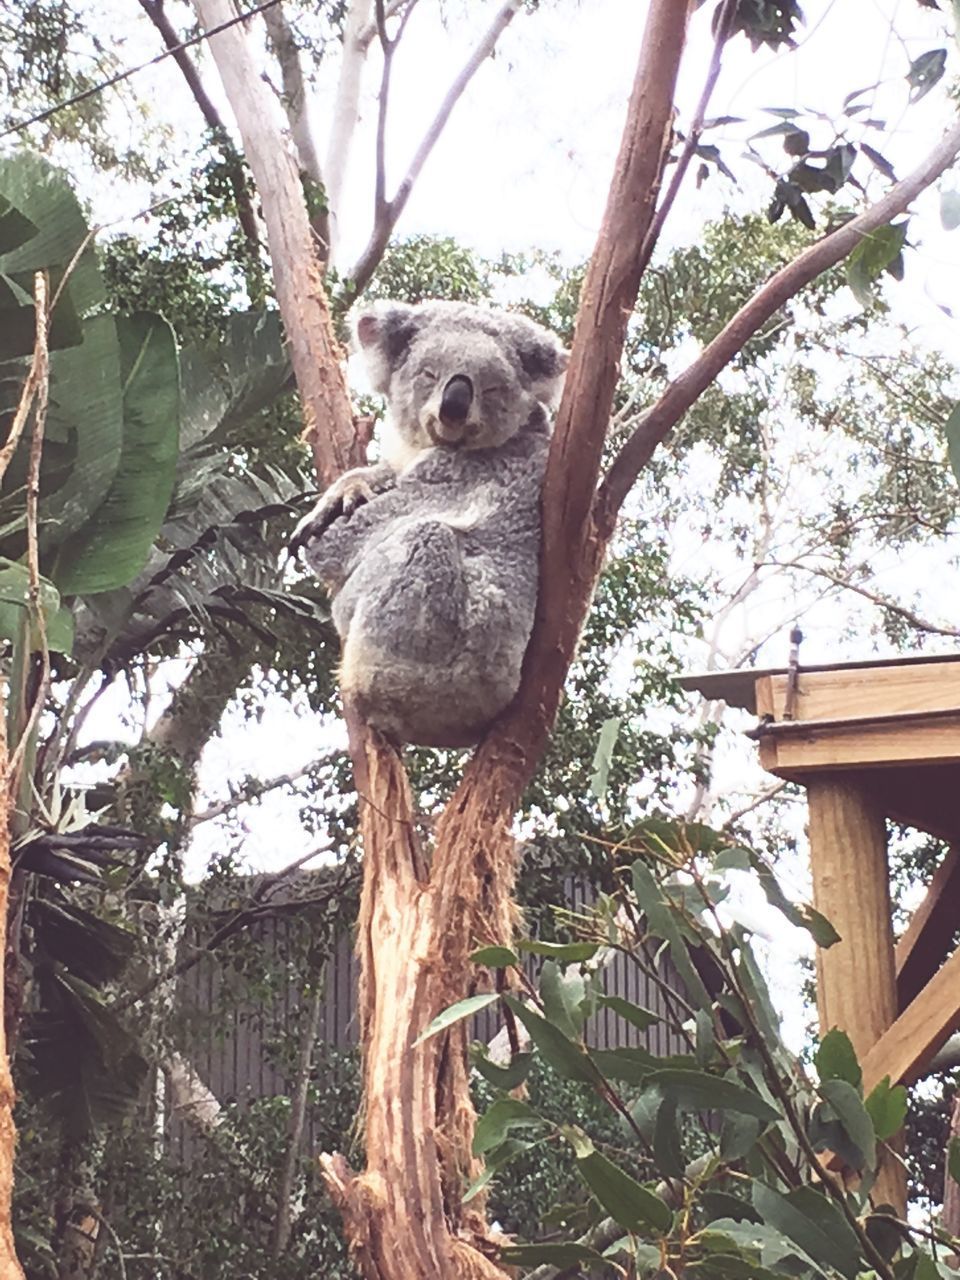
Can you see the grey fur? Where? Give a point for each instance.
(432, 556)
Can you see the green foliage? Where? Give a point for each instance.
(714, 1171)
(112, 432)
(423, 267)
(207, 1206)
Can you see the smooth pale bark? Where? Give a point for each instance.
(297, 272)
(346, 109)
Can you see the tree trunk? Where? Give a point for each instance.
(9, 1266)
(404, 1215)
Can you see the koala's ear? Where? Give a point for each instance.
(384, 335)
(544, 361)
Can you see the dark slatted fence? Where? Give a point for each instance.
(235, 1063)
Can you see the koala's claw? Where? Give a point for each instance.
(342, 500)
(355, 494)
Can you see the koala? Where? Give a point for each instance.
(432, 555)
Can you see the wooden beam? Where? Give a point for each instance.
(905, 1048)
(865, 691)
(931, 930)
(818, 738)
(924, 797)
(856, 979)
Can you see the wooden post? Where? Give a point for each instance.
(856, 978)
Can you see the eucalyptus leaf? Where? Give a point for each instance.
(846, 1104)
(567, 1058)
(699, 1091)
(603, 757)
(494, 957)
(563, 992)
(465, 1008)
(503, 1116)
(925, 72)
(501, 1077)
(566, 952)
(836, 1059)
(547, 1253)
(629, 1203)
(806, 1217)
(635, 1014)
(662, 923)
(887, 1108)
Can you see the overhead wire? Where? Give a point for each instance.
(132, 71)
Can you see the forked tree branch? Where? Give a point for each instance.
(387, 212)
(682, 393)
(572, 548)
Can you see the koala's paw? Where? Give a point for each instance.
(342, 498)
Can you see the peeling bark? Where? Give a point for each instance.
(404, 1214)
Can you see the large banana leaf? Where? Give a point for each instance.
(226, 383)
(81, 1059)
(112, 547)
(42, 195)
(14, 595)
(84, 436)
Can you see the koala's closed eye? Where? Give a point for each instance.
(426, 375)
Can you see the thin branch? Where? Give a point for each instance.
(245, 212)
(387, 212)
(761, 799)
(37, 390)
(724, 21)
(366, 34)
(294, 102)
(254, 788)
(118, 1247)
(819, 257)
(298, 1114)
(233, 924)
(846, 584)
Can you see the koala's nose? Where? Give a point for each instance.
(456, 401)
